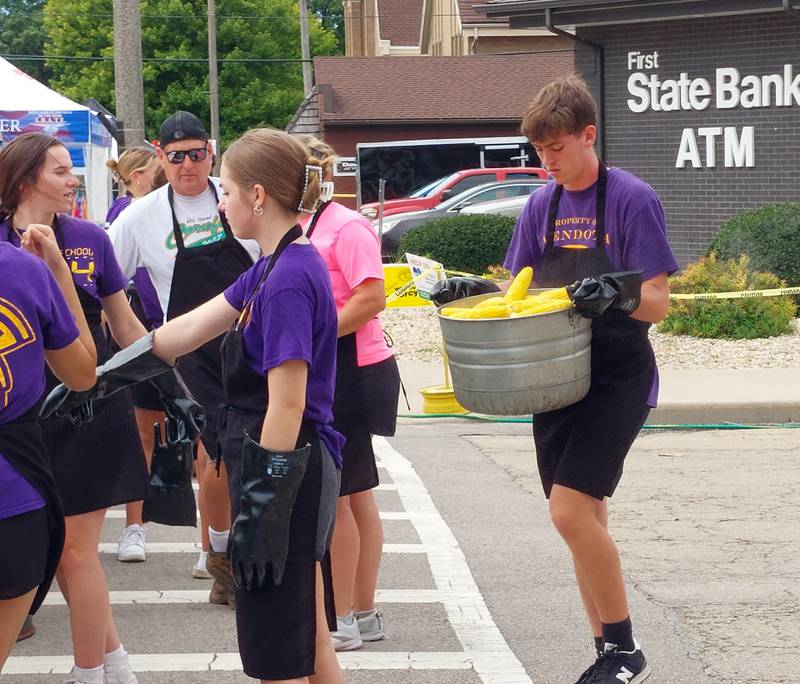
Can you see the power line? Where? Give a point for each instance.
(204, 60)
(204, 16)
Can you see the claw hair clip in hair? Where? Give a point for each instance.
(326, 195)
(309, 169)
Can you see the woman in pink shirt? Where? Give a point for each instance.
(365, 404)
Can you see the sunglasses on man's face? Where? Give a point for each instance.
(196, 155)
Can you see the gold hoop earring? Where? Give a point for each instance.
(258, 210)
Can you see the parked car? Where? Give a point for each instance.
(511, 206)
(433, 194)
(398, 225)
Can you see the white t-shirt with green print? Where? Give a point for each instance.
(142, 235)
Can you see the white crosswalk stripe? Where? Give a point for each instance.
(484, 651)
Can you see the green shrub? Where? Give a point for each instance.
(732, 319)
(462, 243)
(769, 235)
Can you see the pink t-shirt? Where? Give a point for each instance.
(352, 252)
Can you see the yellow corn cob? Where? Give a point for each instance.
(496, 311)
(519, 286)
(542, 307)
(492, 301)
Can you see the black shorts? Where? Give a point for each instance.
(359, 471)
(26, 541)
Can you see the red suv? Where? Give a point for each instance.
(438, 191)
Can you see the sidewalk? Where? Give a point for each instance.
(761, 395)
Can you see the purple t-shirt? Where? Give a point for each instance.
(636, 230)
(88, 253)
(117, 207)
(33, 317)
(294, 318)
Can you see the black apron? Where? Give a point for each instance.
(622, 361)
(365, 398)
(22, 446)
(276, 624)
(100, 464)
(200, 274)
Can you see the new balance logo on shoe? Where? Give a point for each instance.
(625, 675)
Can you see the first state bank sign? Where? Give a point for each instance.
(728, 90)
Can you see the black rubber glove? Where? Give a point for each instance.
(260, 534)
(127, 367)
(458, 287)
(178, 403)
(594, 295)
(170, 497)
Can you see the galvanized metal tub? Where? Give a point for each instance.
(516, 366)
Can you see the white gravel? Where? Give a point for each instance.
(417, 336)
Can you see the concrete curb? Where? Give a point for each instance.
(696, 396)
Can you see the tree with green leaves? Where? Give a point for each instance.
(22, 33)
(331, 16)
(258, 43)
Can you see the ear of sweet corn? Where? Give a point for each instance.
(519, 286)
(492, 301)
(527, 305)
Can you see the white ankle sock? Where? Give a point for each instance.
(116, 659)
(218, 540)
(88, 675)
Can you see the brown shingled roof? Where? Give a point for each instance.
(400, 21)
(473, 88)
(470, 16)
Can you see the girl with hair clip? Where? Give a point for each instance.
(278, 442)
(365, 404)
(135, 171)
(39, 309)
(36, 187)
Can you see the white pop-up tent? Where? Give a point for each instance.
(27, 106)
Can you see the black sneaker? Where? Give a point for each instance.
(588, 672)
(619, 667)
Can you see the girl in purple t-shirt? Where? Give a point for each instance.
(280, 449)
(36, 187)
(38, 314)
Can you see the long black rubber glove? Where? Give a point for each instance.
(136, 363)
(260, 534)
(178, 403)
(595, 295)
(458, 287)
(170, 497)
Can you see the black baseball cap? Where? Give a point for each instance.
(181, 126)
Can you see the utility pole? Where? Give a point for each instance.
(213, 80)
(305, 49)
(128, 85)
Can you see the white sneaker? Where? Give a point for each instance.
(346, 637)
(370, 624)
(120, 677)
(131, 544)
(200, 571)
(95, 678)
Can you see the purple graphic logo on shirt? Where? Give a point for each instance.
(15, 333)
(576, 232)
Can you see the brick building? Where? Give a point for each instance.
(700, 98)
(381, 99)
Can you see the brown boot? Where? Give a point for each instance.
(222, 590)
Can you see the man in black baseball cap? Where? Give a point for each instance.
(179, 235)
(181, 126)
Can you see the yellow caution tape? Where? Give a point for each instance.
(745, 294)
(401, 289)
